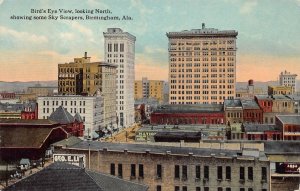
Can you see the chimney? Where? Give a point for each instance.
(203, 25)
(85, 54)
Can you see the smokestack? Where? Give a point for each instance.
(203, 25)
(85, 54)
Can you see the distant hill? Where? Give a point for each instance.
(22, 86)
(264, 85)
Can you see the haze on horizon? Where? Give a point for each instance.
(267, 43)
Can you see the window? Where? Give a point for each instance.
(158, 171)
(198, 188)
(228, 189)
(264, 173)
(206, 172)
(122, 47)
(242, 173)
(220, 189)
(242, 189)
(228, 172)
(220, 177)
(206, 188)
(250, 173)
(184, 188)
(198, 172)
(141, 170)
(112, 169)
(132, 170)
(120, 170)
(158, 188)
(184, 172)
(176, 188)
(250, 189)
(177, 171)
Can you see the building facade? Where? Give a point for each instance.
(177, 168)
(288, 79)
(289, 125)
(120, 50)
(42, 91)
(83, 77)
(202, 66)
(90, 109)
(149, 89)
(188, 114)
(280, 90)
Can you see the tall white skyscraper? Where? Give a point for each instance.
(120, 50)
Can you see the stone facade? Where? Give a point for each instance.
(172, 171)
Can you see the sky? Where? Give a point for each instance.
(268, 41)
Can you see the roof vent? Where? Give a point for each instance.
(168, 152)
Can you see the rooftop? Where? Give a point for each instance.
(199, 108)
(62, 116)
(282, 147)
(232, 103)
(203, 32)
(249, 104)
(259, 127)
(23, 137)
(25, 122)
(157, 149)
(65, 177)
(289, 119)
(182, 128)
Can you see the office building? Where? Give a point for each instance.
(149, 89)
(83, 77)
(202, 66)
(120, 50)
(90, 108)
(288, 79)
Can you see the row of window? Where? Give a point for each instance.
(115, 47)
(181, 172)
(184, 188)
(64, 103)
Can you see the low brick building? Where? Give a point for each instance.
(188, 114)
(261, 132)
(176, 168)
(289, 125)
(251, 111)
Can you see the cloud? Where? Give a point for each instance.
(139, 6)
(22, 36)
(1, 1)
(248, 6)
(97, 4)
(154, 50)
(82, 29)
(66, 36)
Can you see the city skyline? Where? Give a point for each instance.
(266, 42)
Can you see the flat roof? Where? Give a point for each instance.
(203, 33)
(289, 119)
(259, 127)
(189, 108)
(232, 103)
(282, 147)
(158, 149)
(249, 104)
(183, 128)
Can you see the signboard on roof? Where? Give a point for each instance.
(74, 159)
